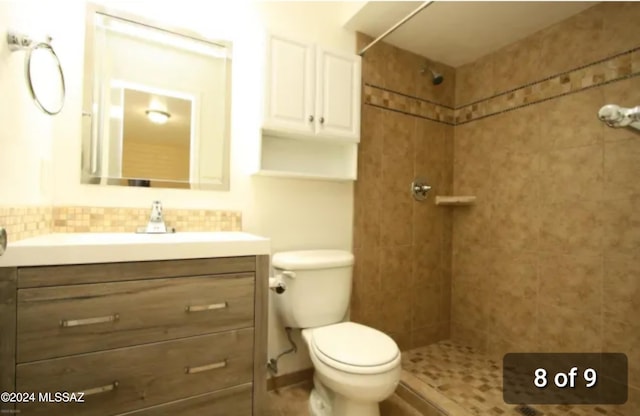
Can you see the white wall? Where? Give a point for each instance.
(295, 214)
(26, 133)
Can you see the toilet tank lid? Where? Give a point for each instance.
(312, 259)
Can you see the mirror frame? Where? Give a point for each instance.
(91, 145)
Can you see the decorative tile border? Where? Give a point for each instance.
(25, 222)
(611, 69)
(407, 104)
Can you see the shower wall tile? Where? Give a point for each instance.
(563, 329)
(399, 71)
(516, 225)
(572, 175)
(595, 73)
(621, 162)
(428, 300)
(580, 233)
(571, 281)
(403, 286)
(555, 234)
(579, 110)
(510, 71)
(575, 41)
(623, 336)
(620, 23)
(621, 296)
(475, 81)
(621, 225)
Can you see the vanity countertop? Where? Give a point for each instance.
(82, 248)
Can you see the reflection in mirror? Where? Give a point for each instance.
(156, 139)
(157, 104)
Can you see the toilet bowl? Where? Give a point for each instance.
(356, 366)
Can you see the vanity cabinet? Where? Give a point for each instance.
(311, 91)
(145, 338)
(311, 125)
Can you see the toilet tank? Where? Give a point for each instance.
(318, 287)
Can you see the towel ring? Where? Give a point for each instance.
(22, 42)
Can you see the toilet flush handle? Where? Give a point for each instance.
(289, 274)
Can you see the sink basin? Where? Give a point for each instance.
(78, 248)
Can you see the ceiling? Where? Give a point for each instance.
(459, 32)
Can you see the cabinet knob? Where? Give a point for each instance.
(310, 118)
(321, 120)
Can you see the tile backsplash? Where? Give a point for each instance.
(25, 222)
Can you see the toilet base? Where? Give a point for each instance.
(324, 402)
(344, 407)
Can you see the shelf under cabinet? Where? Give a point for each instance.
(308, 159)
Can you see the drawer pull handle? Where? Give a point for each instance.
(212, 307)
(101, 389)
(214, 366)
(65, 323)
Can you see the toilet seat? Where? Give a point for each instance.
(355, 348)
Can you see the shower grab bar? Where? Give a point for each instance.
(394, 27)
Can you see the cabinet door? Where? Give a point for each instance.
(290, 86)
(338, 95)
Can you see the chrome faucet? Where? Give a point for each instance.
(156, 222)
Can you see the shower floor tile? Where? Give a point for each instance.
(463, 382)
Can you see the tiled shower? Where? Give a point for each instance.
(548, 258)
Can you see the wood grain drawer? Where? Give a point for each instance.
(65, 320)
(142, 376)
(235, 401)
(74, 274)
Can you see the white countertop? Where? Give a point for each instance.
(79, 248)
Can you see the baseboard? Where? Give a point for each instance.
(289, 379)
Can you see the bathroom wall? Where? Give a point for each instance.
(26, 135)
(548, 258)
(402, 247)
(40, 158)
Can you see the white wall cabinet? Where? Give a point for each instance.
(312, 99)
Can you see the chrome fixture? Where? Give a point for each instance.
(394, 27)
(3, 241)
(419, 188)
(616, 116)
(42, 90)
(436, 77)
(156, 223)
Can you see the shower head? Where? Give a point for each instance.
(616, 116)
(436, 77)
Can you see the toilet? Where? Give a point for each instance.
(356, 366)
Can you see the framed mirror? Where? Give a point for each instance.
(156, 105)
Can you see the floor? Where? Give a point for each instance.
(465, 382)
(293, 401)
